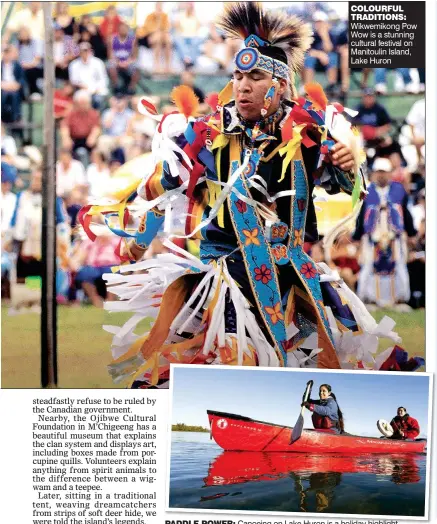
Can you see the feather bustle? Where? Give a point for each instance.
(290, 33)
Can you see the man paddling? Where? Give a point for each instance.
(404, 426)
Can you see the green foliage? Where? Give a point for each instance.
(180, 426)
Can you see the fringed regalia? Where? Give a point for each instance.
(382, 225)
(244, 190)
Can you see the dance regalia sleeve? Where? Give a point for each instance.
(174, 167)
(325, 124)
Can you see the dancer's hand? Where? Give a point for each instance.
(341, 156)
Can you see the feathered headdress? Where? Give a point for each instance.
(275, 37)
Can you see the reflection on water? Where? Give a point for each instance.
(233, 467)
(204, 476)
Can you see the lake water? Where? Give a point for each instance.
(205, 477)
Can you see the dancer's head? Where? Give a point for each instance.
(274, 50)
(382, 172)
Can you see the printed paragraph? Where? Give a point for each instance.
(94, 460)
(386, 34)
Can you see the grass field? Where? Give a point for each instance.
(83, 346)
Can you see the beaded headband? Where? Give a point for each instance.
(250, 58)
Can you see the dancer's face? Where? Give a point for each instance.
(249, 92)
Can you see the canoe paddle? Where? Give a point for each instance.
(298, 427)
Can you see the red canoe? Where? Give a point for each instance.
(237, 433)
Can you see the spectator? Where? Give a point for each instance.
(123, 52)
(90, 33)
(88, 72)
(31, 17)
(155, 34)
(322, 52)
(70, 173)
(418, 210)
(417, 182)
(63, 100)
(30, 53)
(97, 174)
(12, 81)
(8, 146)
(216, 49)
(117, 160)
(26, 226)
(380, 80)
(375, 125)
(80, 129)
(114, 125)
(64, 20)
(74, 201)
(92, 260)
(110, 24)
(342, 49)
(186, 39)
(65, 50)
(141, 128)
(416, 120)
(8, 202)
(85, 19)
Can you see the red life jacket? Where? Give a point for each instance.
(408, 425)
(322, 422)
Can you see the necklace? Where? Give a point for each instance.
(253, 129)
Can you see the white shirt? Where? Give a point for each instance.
(416, 118)
(25, 18)
(91, 74)
(8, 72)
(418, 214)
(58, 51)
(68, 179)
(9, 146)
(9, 200)
(97, 180)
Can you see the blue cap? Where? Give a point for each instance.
(9, 173)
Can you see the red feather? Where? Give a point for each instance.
(185, 100)
(287, 130)
(149, 106)
(316, 96)
(212, 100)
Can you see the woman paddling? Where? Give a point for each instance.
(326, 412)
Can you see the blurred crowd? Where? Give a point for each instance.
(102, 67)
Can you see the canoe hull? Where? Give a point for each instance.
(236, 433)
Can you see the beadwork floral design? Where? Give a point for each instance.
(298, 240)
(275, 312)
(263, 273)
(251, 236)
(241, 206)
(308, 270)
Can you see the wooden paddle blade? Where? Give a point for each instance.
(297, 430)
